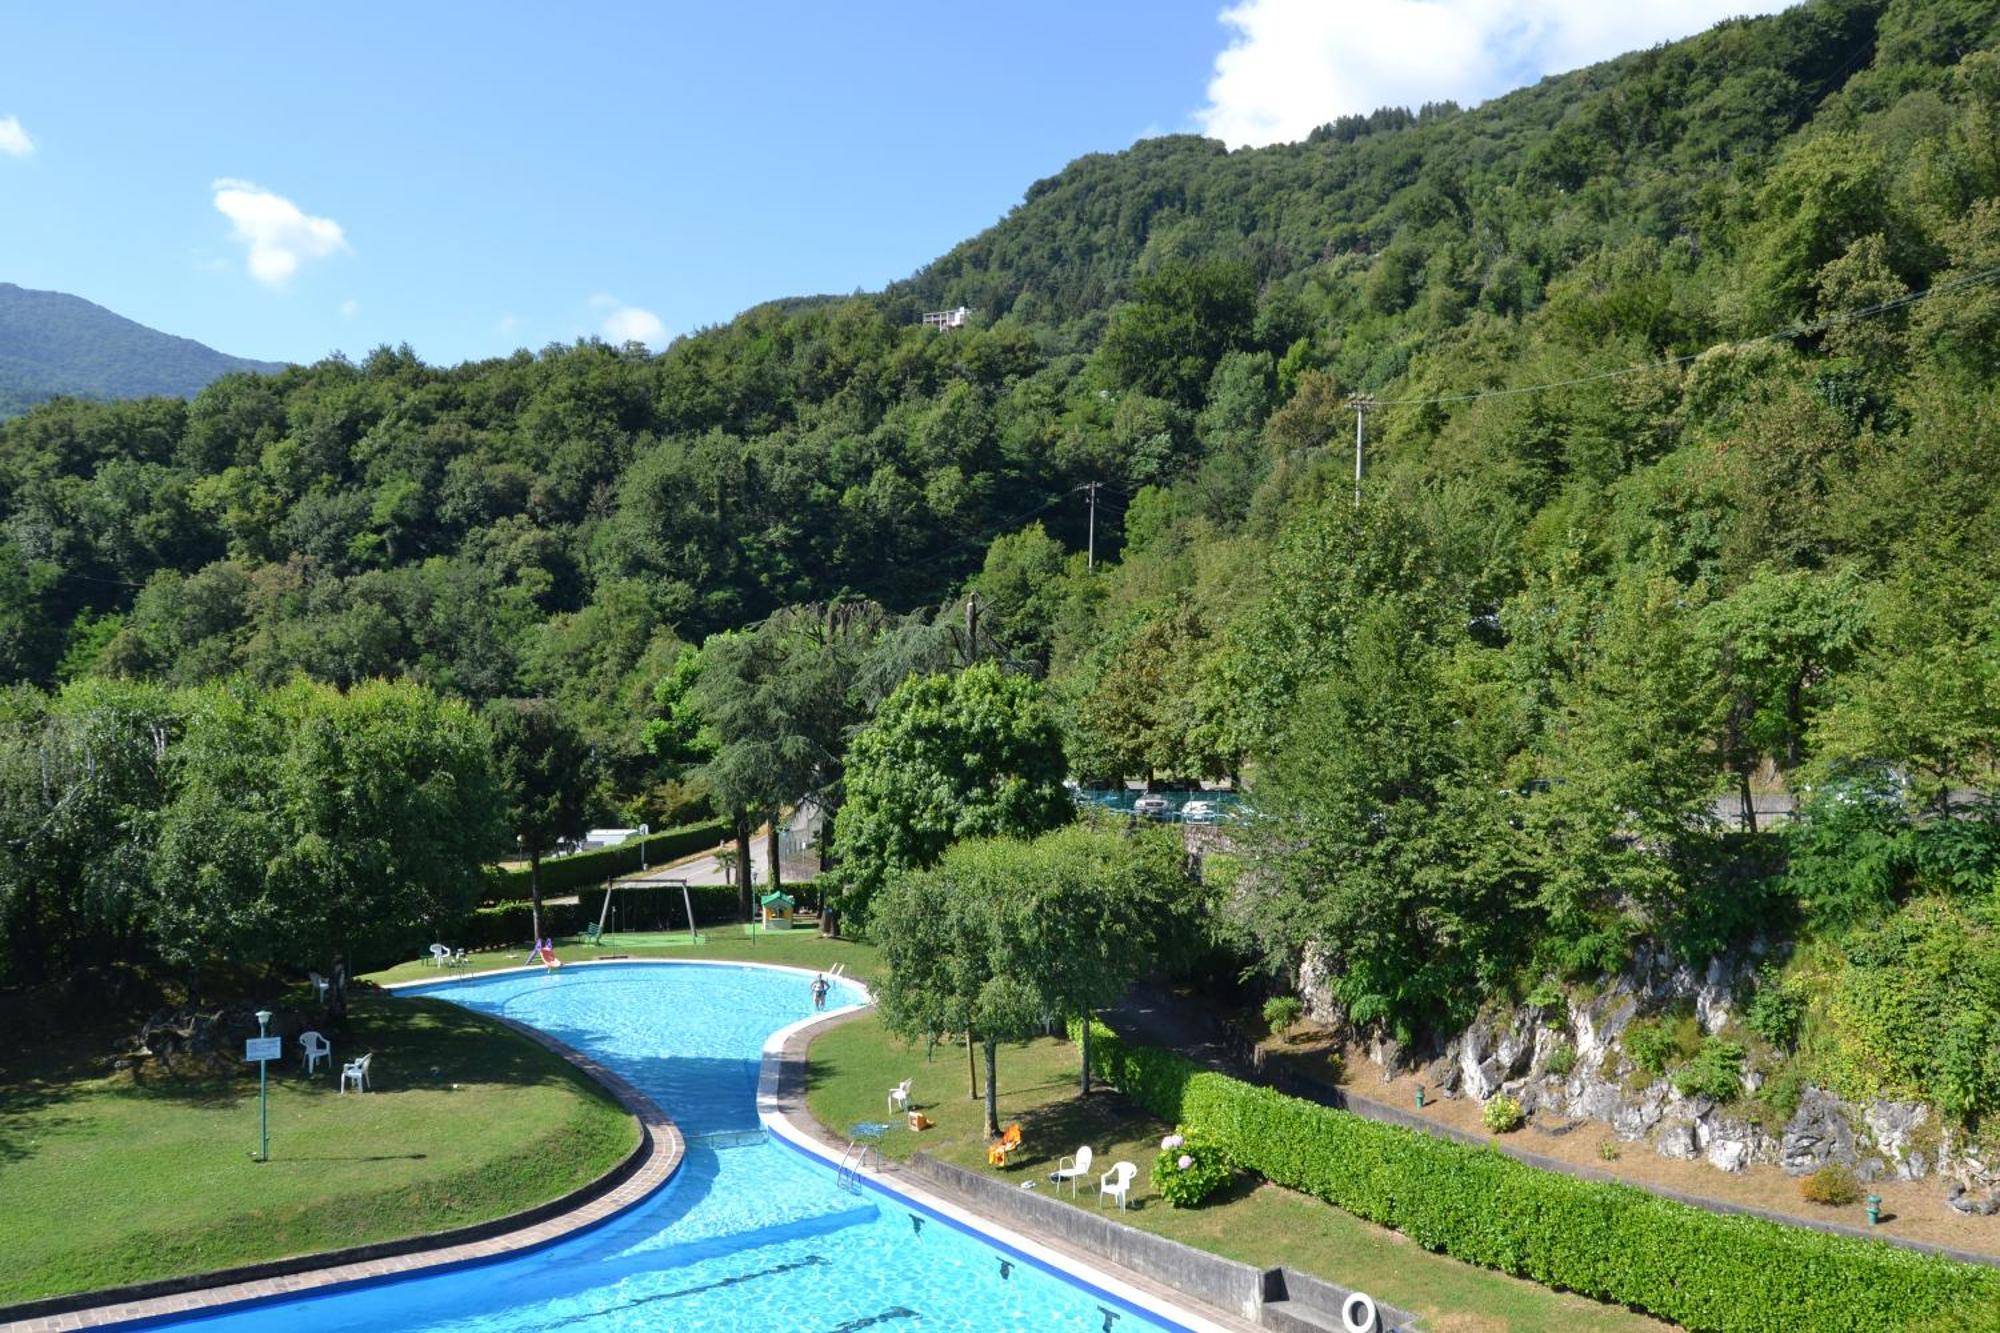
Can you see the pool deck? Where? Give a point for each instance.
(651, 1165)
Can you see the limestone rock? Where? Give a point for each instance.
(1817, 1135)
(1677, 1141)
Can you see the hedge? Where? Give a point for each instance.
(510, 923)
(1699, 1269)
(586, 870)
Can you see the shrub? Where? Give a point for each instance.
(1781, 1093)
(1189, 1169)
(1833, 1185)
(1649, 1045)
(1655, 1044)
(589, 870)
(1561, 1060)
(1776, 1010)
(1336, 1065)
(1716, 1072)
(1280, 1012)
(1608, 1241)
(1502, 1114)
(1609, 1151)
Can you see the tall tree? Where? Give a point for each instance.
(544, 769)
(976, 754)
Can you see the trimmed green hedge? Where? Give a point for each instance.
(1700, 1269)
(588, 870)
(508, 924)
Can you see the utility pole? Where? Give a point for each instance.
(1091, 560)
(1362, 404)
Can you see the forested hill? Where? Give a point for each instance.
(1180, 324)
(52, 344)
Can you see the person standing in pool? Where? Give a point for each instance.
(819, 990)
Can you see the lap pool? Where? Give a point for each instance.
(751, 1233)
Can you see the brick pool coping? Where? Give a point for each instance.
(648, 1167)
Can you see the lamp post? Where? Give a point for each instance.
(264, 1092)
(645, 831)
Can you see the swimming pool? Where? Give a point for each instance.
(750, 1234)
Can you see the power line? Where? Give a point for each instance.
(1790, 331)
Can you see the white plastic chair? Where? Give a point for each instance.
(899, 1096)
(356, 1072)
(458, 959)
(1117, 1182)
(314, 1048)
(1072, 1169)
(439, 955)
(320, 985)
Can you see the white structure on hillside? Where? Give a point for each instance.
(949, 319)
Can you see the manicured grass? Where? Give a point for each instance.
(117, 1177)
(794, 948)
(853, 1067)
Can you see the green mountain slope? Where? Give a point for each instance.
(54, 344)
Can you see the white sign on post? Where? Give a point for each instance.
(264, 1048)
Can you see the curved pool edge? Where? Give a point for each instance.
(643, 1172)
(781, 1110)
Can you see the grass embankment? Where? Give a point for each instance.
(127, 1176)
(854, 1066)
(793, 948)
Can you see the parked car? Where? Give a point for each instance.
(1199, 812)
(1153, 807)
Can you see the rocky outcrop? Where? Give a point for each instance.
(1510, 1051)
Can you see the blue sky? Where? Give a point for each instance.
(282, 181)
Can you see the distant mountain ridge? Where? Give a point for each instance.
(52, 343)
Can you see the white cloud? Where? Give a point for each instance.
(629, 323)
(350, 308)
(276, 234)
(507, 323)
(1293, 65)
(14, 140)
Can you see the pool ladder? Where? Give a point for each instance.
(852, 1161)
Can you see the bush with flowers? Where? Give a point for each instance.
(1188, 1170)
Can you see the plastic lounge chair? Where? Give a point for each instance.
(591, 933)
(439, 955)
(1072, 1169)
(899, 1096)
(1117, 1182)
(458, 958)
(356, 1072)
(314, 1049)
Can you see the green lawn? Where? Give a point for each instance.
(853, 1067)
(795, 948)
(113, 1178)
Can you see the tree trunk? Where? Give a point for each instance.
(535, 893)
(992, 1090)
(972, 1065)
(1083, 1079)
(771, 846)
(1749, 802)
(745, 907)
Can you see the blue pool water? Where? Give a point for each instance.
(750, 1234)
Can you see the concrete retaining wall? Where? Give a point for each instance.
(1220, 1282)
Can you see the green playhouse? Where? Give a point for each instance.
(778, 909)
